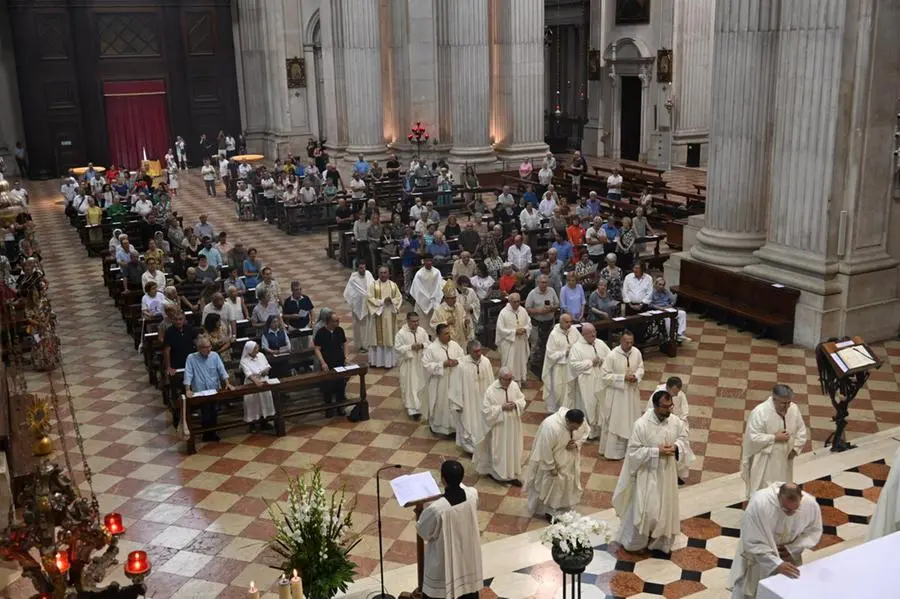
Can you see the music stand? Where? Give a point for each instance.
(838, 376)
(382, 594)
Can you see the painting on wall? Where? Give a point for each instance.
(595, 65)
(632, 12)
(296, 73)
(664, 66)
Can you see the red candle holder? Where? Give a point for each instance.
(61, 559)
(138, 564)
(113, 523)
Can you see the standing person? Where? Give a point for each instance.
(409, 343)
(587, 392)
(680, 409)
(330, 343)
(541, 304)
(498, 449)
(453, 313)
(427, 291)
(571, 297)
(646, 495)
(204, 371)
(513, 331)
(774, 436)
(257, 406)
(614, 185)
(383, 302)
(553, 474)
(297, 311)
(579, 167)
(622, 370)
(208, 173)
(780, 523)
(452, 566)
(441, 361)
(662, 298)
(555, 372)
(230, 146)
(886, 519)
(181, 153)
(21, 157)
(356, 294)
(476, 375)
(225, 173)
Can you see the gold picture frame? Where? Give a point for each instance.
(664, 66)
(296, 72)
(595, 65)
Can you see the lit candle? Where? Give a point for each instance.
(62, 561)
(296, 587)
(113, 523)
(284, 587)
(137, 563)
(254, 592)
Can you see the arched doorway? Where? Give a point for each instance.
(315, 98)
(319, 78)
(630, 67)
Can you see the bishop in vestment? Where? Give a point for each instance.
(588, 393)
(475, 376)
(646, 495)
(774, 435)
(452, 312)
(498, 452)
(427, 290)
(356, 294)
(513, 331)
(384, 303)
(553, 475)
(780, 523)
(886, 519)
(555, 373)
(410, 343)
(680, 408)
(442, 384)
(622, 370)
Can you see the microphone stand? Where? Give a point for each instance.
(383, 594)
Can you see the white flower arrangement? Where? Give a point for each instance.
(572, 533)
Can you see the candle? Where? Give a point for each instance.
(254, 592)
(62, 561)
(284, 587)
(296, 587)
(113, 523)
(137, 563)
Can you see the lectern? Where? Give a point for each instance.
(419, 491)
(844, 365)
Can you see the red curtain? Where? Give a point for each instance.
(136, 119)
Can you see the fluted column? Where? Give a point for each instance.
(333, 79)
(468, 38)
(744, 62)
(519, 118)
(362, 67)
(693, 67)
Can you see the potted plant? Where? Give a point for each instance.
(315, 536)
(569, 539)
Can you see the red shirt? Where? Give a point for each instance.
(508, 283)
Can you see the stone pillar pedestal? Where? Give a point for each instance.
(362, 66)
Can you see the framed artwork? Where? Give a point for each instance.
(595, 62)
(296, 72)
(664, 66)
(632, 12)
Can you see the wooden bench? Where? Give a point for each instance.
(674, 234)
(740, 297)
(649, 330)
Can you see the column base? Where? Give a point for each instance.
(482, 158)
(594, 142)
(519, 152)
(274, 145)
(377, 152)
(727, 249)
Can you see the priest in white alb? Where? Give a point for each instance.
(774, 435)
(475, 376)
(410, 343)
(555, 373)
(622, 370)
(498, 452)
(680, 408)
(356, 294)
(553, 473)
(449, 526)
(588, 393)
(452, 312)
(886, 519)
(780, 523)
(513, 332)
(442, 384)
(427, 291)
(646, 495)
(384, 303)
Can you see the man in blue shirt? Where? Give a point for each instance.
(204, 371)
(594, 204)
(611, 231)
(530, 197)
(563, 248)
(409, 259)
(361, 166)
(438, 248)
(213, 256)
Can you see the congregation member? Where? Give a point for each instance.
(553, 474)
(475, 376)
(555, 372)
(203, 228)
(637, 289)
(612, 275)
(622, 370)
(356, 294)
(263, 310)
(383, 302)
(257, 406)
(470, 300)
(463, 266)
(469, 239)
(680, 409)
(541, 304)
(646, 494)
(451, 566)
(330, 348)
(886, 519)
(500, 445)
(588, 392)
(549, 202)
(153, 274)
(427, 291)
(204, 371)
(571, 298)
(409, 344)
(662, 299)
(512, 338)
(153, 301)
(601, 305)
(217, 306)
(298, 308)
(519, 254)
(595, 238)
(775, 434)
(204, 272)
(780, 522)
(614, 185)
(453, 313)
(441, 362)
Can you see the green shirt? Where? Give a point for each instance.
(116, 212)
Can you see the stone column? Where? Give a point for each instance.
(830, 182)
(362, 68)
(333, 76)
(692, 81)
(468, 36)
(594, 143)
(744, 62)
(519, 118)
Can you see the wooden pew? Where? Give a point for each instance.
(675, 234)
(739, 297)
(649, 330)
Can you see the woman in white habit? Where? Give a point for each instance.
(257, 406)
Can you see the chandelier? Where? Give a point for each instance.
(57, 535)
(418, 135)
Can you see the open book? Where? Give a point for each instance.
(856, 357)
(410, 488)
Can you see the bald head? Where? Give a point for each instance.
(588, 332)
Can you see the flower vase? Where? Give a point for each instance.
(572, 562)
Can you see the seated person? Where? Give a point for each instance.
(463, 266)
(153, 274)
(153, 301)
(264, 309)
(438, 248)
(482, 282)
(663, 298)
(275, 341)
(452, 228)
(219, 334)
(154, 253)
(204, 271)
(637, 289)
(233, 280)
(217, 306)
(509, 280)
(601, 304)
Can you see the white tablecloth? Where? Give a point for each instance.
(867, 571)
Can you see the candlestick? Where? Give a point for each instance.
(284, 587)
(254, 592)
(113, 523)
(296, 587)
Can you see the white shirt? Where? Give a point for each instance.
(530, 220)
(594, 234)
(208, 172)
(143, 207)
(545, 176)
(244, 170)
(268, 187)
(68, 191)
(159, 278)
(547, 205)
(229, 143)
(614, 182)
(307, 195)
(506, 199)
(223, 168)
(20, 195)
(637, 291)
(244, 195)
(520, 257)
(80, 204)
(417, 211)
(357, 189)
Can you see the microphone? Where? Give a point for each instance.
(383, 594)
(388, 467)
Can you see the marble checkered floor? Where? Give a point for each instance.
(203, 517)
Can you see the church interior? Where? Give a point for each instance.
(262, 154)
